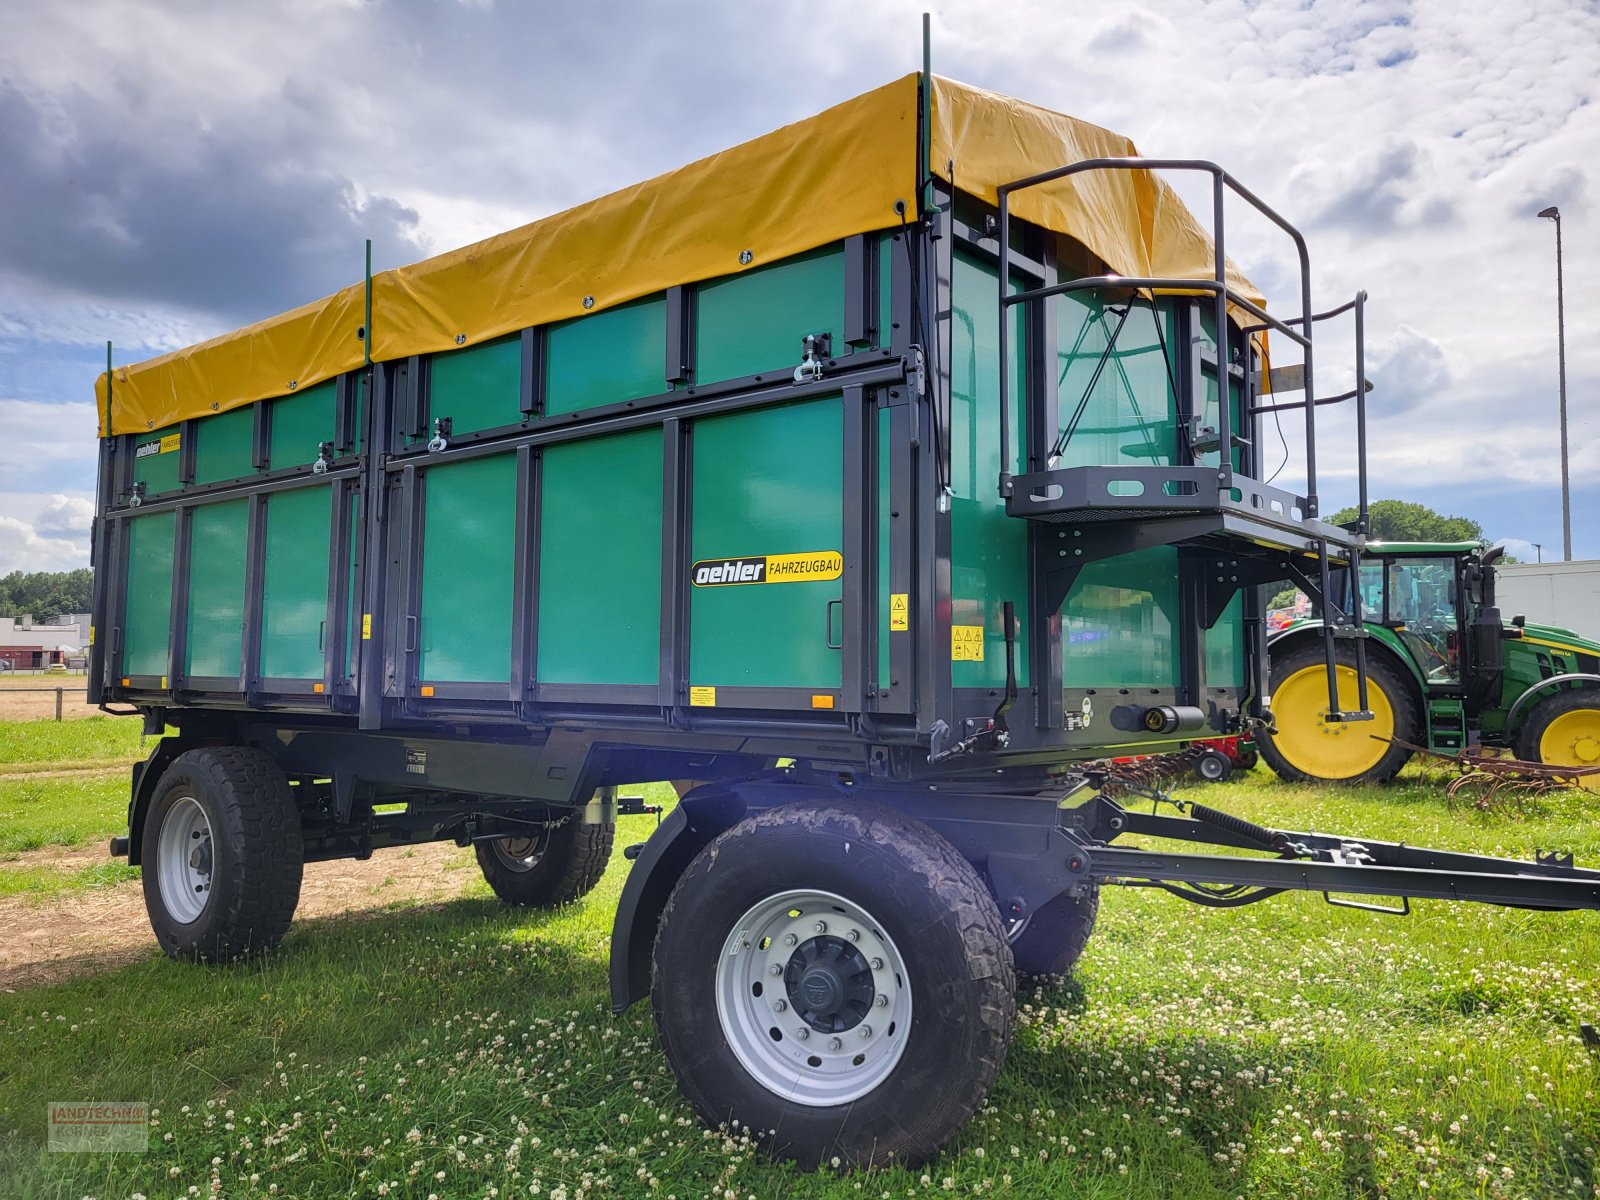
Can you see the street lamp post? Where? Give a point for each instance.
(1554, 214)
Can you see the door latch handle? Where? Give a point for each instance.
(827, 632)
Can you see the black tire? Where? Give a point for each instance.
(1213, 766)
(247, 857)
(1052, 941)
(1572, 742)
(921, 896)
(550, 867)
(1350, 757)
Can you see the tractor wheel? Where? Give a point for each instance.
(1213, 766)
(547, 867)
(222, 855)
(1052, 940)
(1564, 730)
(837, 981)
(1307, 748)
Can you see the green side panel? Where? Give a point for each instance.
(600, 561)
(155, 459)
(224, 445)
(479, 387)
(468, 541)
(218, 540)
(300, 422)
(1129, 414)
(294, 597)
(607, 357)
(885, 583)
(988, 549)
(146, 627)
(755, 321)
(1224, 647)
(767, 482)
(1120, 621)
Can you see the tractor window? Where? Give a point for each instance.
(1422, 605)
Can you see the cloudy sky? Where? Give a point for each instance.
(175, 169)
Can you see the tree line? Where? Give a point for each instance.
(45, 594)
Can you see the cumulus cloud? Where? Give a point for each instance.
(44, 532)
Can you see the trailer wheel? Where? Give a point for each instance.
(222, 855)
(1307, 748)
(836, 980)
(1564, 730)
(547, 867)
(1213, 766)
(1051, 941)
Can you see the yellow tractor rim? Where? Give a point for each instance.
(1324, 750)
(1573, 740)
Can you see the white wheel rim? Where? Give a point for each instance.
(838, 998)
(519, 854)
(185, 859)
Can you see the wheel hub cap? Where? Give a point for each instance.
(830, 984)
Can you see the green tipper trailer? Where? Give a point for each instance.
(753, 476)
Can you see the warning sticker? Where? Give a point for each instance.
(703, 697)
(366, 627)
(966, 643)
(899, 611)
(769, 568)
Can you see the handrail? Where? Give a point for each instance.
(1161, 283)
(1221, 182)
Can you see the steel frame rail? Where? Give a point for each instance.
(1320, 862)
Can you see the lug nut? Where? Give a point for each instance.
(780, 1005)
(822, 927)
(876, 964)
(882, 1001)
(835, 1044)
(775, 969)
(789, 939)
(866, 1032)
(802, 1033)
(853, 936)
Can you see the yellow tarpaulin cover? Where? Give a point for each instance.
(805, 185)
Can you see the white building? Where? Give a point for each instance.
(26, 644)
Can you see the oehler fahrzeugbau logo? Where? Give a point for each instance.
(811, 566)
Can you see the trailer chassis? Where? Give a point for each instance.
(1035, 847)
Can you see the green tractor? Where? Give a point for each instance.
(1443, 671)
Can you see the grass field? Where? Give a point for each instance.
(465, 1050)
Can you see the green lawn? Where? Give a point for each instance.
(66, 745)
(70, 810)
(463, 1050)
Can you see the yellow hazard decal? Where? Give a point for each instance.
(703, 697)
(366, 627)
(768, 568)
(899, 611)
(966, 643)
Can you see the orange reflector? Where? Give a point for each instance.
(427, 689)
(318, 688)
(127, 683)
(822, 702)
